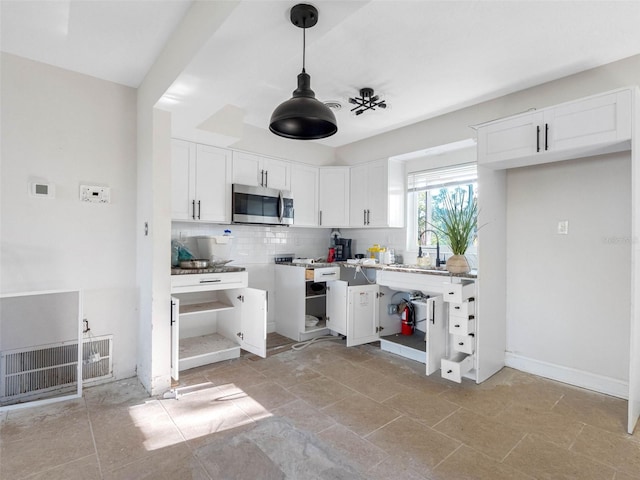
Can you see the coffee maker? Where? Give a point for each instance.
(343, 249)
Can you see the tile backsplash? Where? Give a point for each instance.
(253, 244)
(259, 244)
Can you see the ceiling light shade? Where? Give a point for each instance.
(303, 117)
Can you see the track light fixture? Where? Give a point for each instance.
(303, 117)
(366, 101)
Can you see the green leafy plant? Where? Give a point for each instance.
(457, 220)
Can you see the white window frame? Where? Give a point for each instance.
(437, 178)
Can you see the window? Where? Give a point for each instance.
(426, 190)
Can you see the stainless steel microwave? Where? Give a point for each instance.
(261, 205)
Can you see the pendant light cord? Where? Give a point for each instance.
(304, 46)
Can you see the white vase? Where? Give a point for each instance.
(458, 264)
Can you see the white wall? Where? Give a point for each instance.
(70, 129)
(568, 296)
(153, 186)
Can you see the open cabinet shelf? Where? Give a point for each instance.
(205, 349)
(201, 307)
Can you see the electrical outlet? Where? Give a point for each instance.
(563, 227)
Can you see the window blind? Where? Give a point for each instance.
(442, 177)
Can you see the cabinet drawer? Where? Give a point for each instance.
(458, 292)
(326, 274)
(464, 343)
(208, 281)
(453, 368)
(462, 326)
(462, 310)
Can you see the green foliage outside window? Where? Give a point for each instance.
(432, 212)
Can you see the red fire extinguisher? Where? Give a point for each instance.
(407, 320)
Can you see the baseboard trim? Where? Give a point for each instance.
(572, 376)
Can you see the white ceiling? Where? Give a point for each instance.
(424, 57)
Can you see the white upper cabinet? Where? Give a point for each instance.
(304, 188)
(333, 197)
(200, 182)
(183, 164)
(591, 126)
(259, 171)
(377, 194)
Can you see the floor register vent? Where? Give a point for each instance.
(48, 370)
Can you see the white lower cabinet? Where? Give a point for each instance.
(337, 294)
(353, 311)
(462, 327)
(301, 299)
(211, 320)
(435, 328)
(363, 316)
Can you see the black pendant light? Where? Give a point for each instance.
(303, 117)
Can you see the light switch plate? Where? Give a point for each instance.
(563, 227)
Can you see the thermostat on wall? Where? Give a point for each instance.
(95, 194)
(42, 189)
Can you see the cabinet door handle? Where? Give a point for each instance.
(198, 209)
(456, 326)
(433, 313)
(266, 178)
(546, 136)
(217, 280)
(193, 209)
(537, 138)
(320, 214)
(368, 216)
(328, 274)
(173, 304)
(460, 343)
(364, 219)
(262, 178)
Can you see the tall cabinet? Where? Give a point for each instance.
(594, 125)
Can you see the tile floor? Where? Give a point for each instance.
(352, 413)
